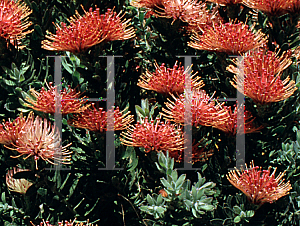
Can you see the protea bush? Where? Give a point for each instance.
(148, 112)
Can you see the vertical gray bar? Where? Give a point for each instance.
(188, 137)
(58, 114)
(240, 133)
(110, 102)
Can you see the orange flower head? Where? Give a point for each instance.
(17, 185)
(87, 31)
(9, 131)
(150, 4)
(204, 110)
(168, 80)
(14, 20)
(230, 126)
(205, 18)
(226, 2)
(184, 10)
(41, 140)
(45, 100)
(293, 7)
(260, 186)
(96, 119)
(154, 136)
(230, 38)
(270, 7)
(259, 71)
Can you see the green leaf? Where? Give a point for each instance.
(141, 16)
(294, 44)
(76, 78)
(148, 21)
(9, 82)
(3, 197)
(159, 200)
(160, 209)
(66, 65)
(174, 175)
(237, 219)
(150, 200)
(38, 30)
(237, 210)
(42, 191)
(165, 183)
(73, 187)
(139, 110)
(180, 181)
(250, 213)
(206, 207)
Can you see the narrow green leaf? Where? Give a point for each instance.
(180, 181)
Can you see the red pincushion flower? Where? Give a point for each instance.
(45, 100)
(87, 31)
(260, 186)
(41, 140)
(14, 20)
(229, 38)
(204, 19)
(9, 131)
(168, 80)
(150, 4)
(257, 75)
(96, 119)
(154, 136)
(273, 7)
(204, 110)
(230, 125)
(226, 2)
(185, 10)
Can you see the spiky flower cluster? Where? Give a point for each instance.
(231, 126)
(184, 10)
(226, 2)
(260, 186)
(150, 4)
(14, 20)
(193, 12)
(40, 139)
(257, 75)
(96, 119)
(168, 80)
(10, 130)
(154, 136)
(45, 100)
(231, 38)
(274, 8)
(17, 185)
(88, 30)
(204, 111)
